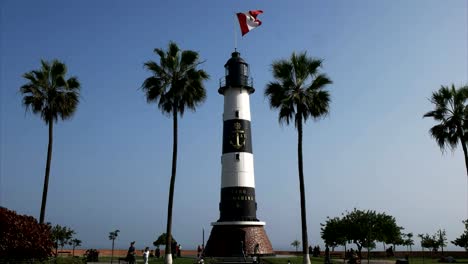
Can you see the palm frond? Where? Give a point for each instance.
(319, 104)
(276, 92)
(73, 84)
(314, 65)
(320, 81)
(286, 114)
(283, 71)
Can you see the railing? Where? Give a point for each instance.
(244, 81)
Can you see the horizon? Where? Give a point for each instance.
(111, 162)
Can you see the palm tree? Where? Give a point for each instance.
(298, 92)
(50, 95)
(112, 236)
(175, 84)
(451, 113)
(76, 243)
(296, 243)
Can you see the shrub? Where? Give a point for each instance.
(23, 238)
(92, 255)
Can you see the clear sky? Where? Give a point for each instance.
(111, 162)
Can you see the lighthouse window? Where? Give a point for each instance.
(237, 114)
(227, 71)
(244, 69)
(237, 156)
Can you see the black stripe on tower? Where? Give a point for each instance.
(237, 136)
(238, 204)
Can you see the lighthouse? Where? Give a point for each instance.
(238, 232)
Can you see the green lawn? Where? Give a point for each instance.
(432, 261)
(265, 260)
(294, 260)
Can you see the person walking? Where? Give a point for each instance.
(157, 252)
(131, 253)
(146, 255)
(327, 255)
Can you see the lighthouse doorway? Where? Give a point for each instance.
(237, 243)
(226, 241)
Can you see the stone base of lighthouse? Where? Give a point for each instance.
(225, 239)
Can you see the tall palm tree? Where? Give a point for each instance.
(112, 236)
(451, 113)
(175, 84)
(49, 94)
(298, 92)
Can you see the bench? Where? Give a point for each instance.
(66, 253)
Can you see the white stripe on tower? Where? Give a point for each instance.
(240, 173)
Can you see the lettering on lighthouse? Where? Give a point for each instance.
(237, 136)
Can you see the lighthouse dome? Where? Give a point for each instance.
(237, 74)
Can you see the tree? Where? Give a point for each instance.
(22, 238)
(388, 231)
(298, 92)
(296, 243)
(333, 232)
(362, 228)
(162, 240)
(408, 241)
(451, 112)
(175, 84)
(49, 94)
(75, 243)
(441, 236)
(429, 242)
(462, 241)
(112, 236)
(62, 236)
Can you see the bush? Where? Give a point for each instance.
(92, 255)
(23, 238)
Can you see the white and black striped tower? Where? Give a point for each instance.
(238, 227)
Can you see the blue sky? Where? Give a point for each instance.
(111, 162)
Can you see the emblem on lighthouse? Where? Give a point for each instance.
(238, 136)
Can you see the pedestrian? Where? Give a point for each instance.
(131, 253)
(327, 255)
(174, 249)
(257, 253)
(198, 251)
(146, 255)
(157, 252)
(179, 250)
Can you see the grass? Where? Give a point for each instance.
(433, 260)
(179, 260)
(293, 259)
(266, 260)
(320, 260)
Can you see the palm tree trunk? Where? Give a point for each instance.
(305, 241)
(465, 152)
(112, 254)
(47, 171)
(168, 259)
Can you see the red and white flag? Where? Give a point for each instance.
(249, 21)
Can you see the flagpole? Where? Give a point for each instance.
(235, 33)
